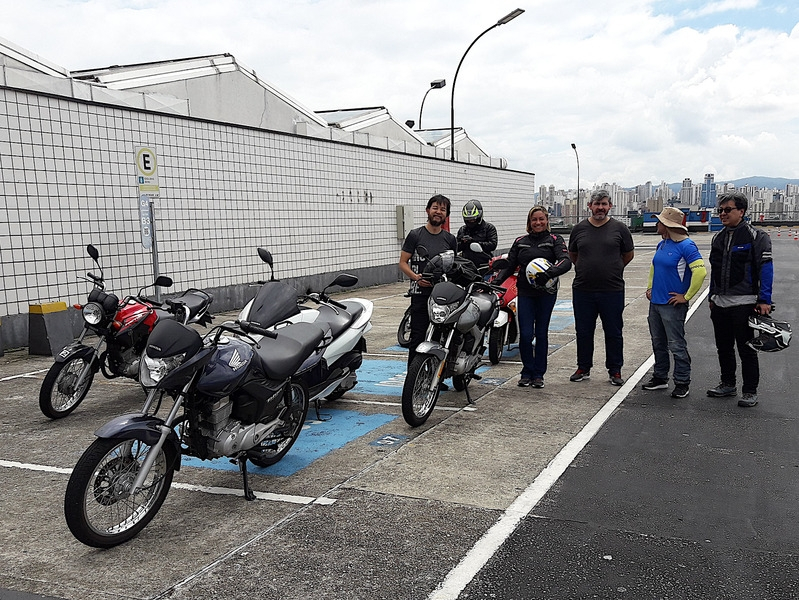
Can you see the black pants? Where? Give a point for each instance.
(420, 321)
(731, 329)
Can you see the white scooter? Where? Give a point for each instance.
(345, 323)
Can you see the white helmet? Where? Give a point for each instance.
(539, 265)
(769, 335)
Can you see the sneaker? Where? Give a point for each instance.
(580, 374)
(656, 383)
(748, 400)
(525, 382)
(680, 390)
(721, 390)
(616, 378)
(538, 382)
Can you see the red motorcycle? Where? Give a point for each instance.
(124, 328)
(505, 329)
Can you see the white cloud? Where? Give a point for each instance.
(641, 98)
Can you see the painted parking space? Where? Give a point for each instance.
(317, 439)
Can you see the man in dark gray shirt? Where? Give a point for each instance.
(600, 247)
(435, 240)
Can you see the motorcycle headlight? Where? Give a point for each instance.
(153, 370)
(439, 313)
(93, 313)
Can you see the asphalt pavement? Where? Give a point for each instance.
(577, 490)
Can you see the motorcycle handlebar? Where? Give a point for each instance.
(250, 327)
(494, 288)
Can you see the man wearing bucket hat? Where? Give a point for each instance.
(675, 276)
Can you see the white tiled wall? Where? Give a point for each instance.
(67, 179)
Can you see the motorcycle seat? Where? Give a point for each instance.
(195, 302)
(337, 319)
(281, 357)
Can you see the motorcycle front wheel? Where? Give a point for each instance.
(98, 506)
(496, 343)
(417, 399)
(404, 330)
(277, 444)
(59, 396)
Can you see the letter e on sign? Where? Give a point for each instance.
(146, 162)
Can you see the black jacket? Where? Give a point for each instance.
(536, 245)
(484, 234)
(741, 265)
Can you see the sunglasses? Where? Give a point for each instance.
(727, 210)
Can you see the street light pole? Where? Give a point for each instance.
(506, 19)
(574, 147)
(434, 85)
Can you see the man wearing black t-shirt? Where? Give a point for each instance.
(599, 247)
(435, 240)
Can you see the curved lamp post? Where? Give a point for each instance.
(436, 84)
(574, 147)
(506, 19)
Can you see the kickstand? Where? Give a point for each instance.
(468, 395)
(248, 493)
(466, 389)
(318, 405)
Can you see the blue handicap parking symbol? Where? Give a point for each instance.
(317, 439)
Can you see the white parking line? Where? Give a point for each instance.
(459, 577)
(188, 487)
(31, 374)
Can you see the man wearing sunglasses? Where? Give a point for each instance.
(741, 276)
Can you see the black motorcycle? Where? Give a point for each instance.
(232, 398)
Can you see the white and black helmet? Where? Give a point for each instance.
(770, 335)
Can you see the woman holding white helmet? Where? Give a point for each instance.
(541, 257)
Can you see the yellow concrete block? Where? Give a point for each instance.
(47, 308)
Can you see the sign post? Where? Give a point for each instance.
(147, 180)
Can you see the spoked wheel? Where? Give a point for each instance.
(404, 329)
(59, 394)
(417, 399)
(98, 506)
(496, 343)
(275, 446)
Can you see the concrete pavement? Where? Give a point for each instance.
(402, 509)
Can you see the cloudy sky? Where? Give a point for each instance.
(648, 90)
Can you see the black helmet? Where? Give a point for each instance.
(472, 213)
(770, 335)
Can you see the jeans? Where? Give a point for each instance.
(608, 306)
(534, 314)
(667, 328)
(731, 328)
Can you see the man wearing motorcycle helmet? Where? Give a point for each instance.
(422, 243)
(475, 229)
(741, 276)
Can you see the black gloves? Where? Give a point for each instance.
(542, 278)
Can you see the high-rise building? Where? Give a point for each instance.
(708, 199)
(687, 192)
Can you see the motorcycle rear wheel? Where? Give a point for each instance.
(58, 396)
(418, 401)
(275, 446)
(98, 508)
(404, 330)
(496, 343)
